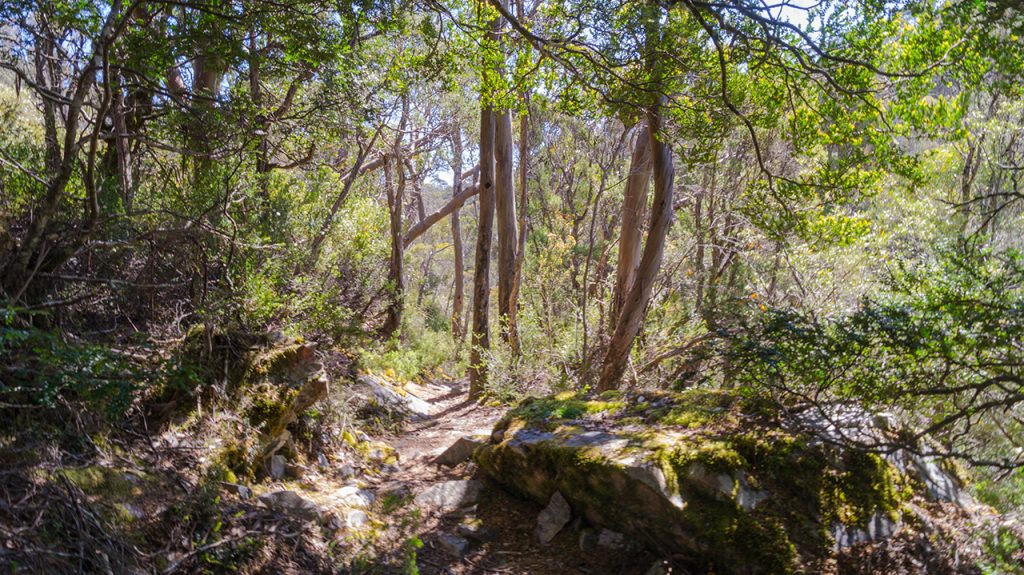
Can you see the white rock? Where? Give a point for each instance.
(553, 518)
(449, 496)
(277, 465)
(356, 519)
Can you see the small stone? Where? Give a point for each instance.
(134, 511)
(553, 518)
(458, 452)
(453, 545)
(357, 519)
(477, 531)
(242, 491)
(292, 504)
(294, 471)
(277, 467)
(346, 470)
(321, 460)
(611, 539)
(353, 496)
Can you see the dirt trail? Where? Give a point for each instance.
(452, 416)
(508, 546)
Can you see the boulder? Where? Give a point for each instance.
(721, 481)
(378, 391)
(450, 496)
(461, 450)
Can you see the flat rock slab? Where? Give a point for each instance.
(291, 503)
(388, 395)
(449, 496)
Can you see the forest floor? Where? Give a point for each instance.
(507, 545)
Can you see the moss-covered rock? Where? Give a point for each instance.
(716, 479)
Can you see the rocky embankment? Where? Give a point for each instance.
(715, 481)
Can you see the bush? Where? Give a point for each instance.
(41, 368)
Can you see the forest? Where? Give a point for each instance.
(510, 287)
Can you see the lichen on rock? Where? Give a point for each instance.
(715, 478)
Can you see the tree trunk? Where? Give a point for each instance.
(396, 273)
(635, 303)
(394, 182)
(432, 218)
(459, 271)
(45, 57)
(517, 279)
(480, 339)
(30, 254)
(504, 202)
(505, 207)
(633, 205)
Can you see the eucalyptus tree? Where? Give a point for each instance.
(831, 76)
(157, 114)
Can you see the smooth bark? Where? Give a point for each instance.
(635, 304)
(458, 288)
(517, 279)
(634, 203)
(432, 218)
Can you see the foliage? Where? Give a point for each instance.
(43, 369)
(941, 342)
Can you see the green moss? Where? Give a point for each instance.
(267, 404)
(261, 364)
(103, 481)
(563, 406)
(678, 461)
(735, 537)
(810, 485)
(865, 484)
(233, 460)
